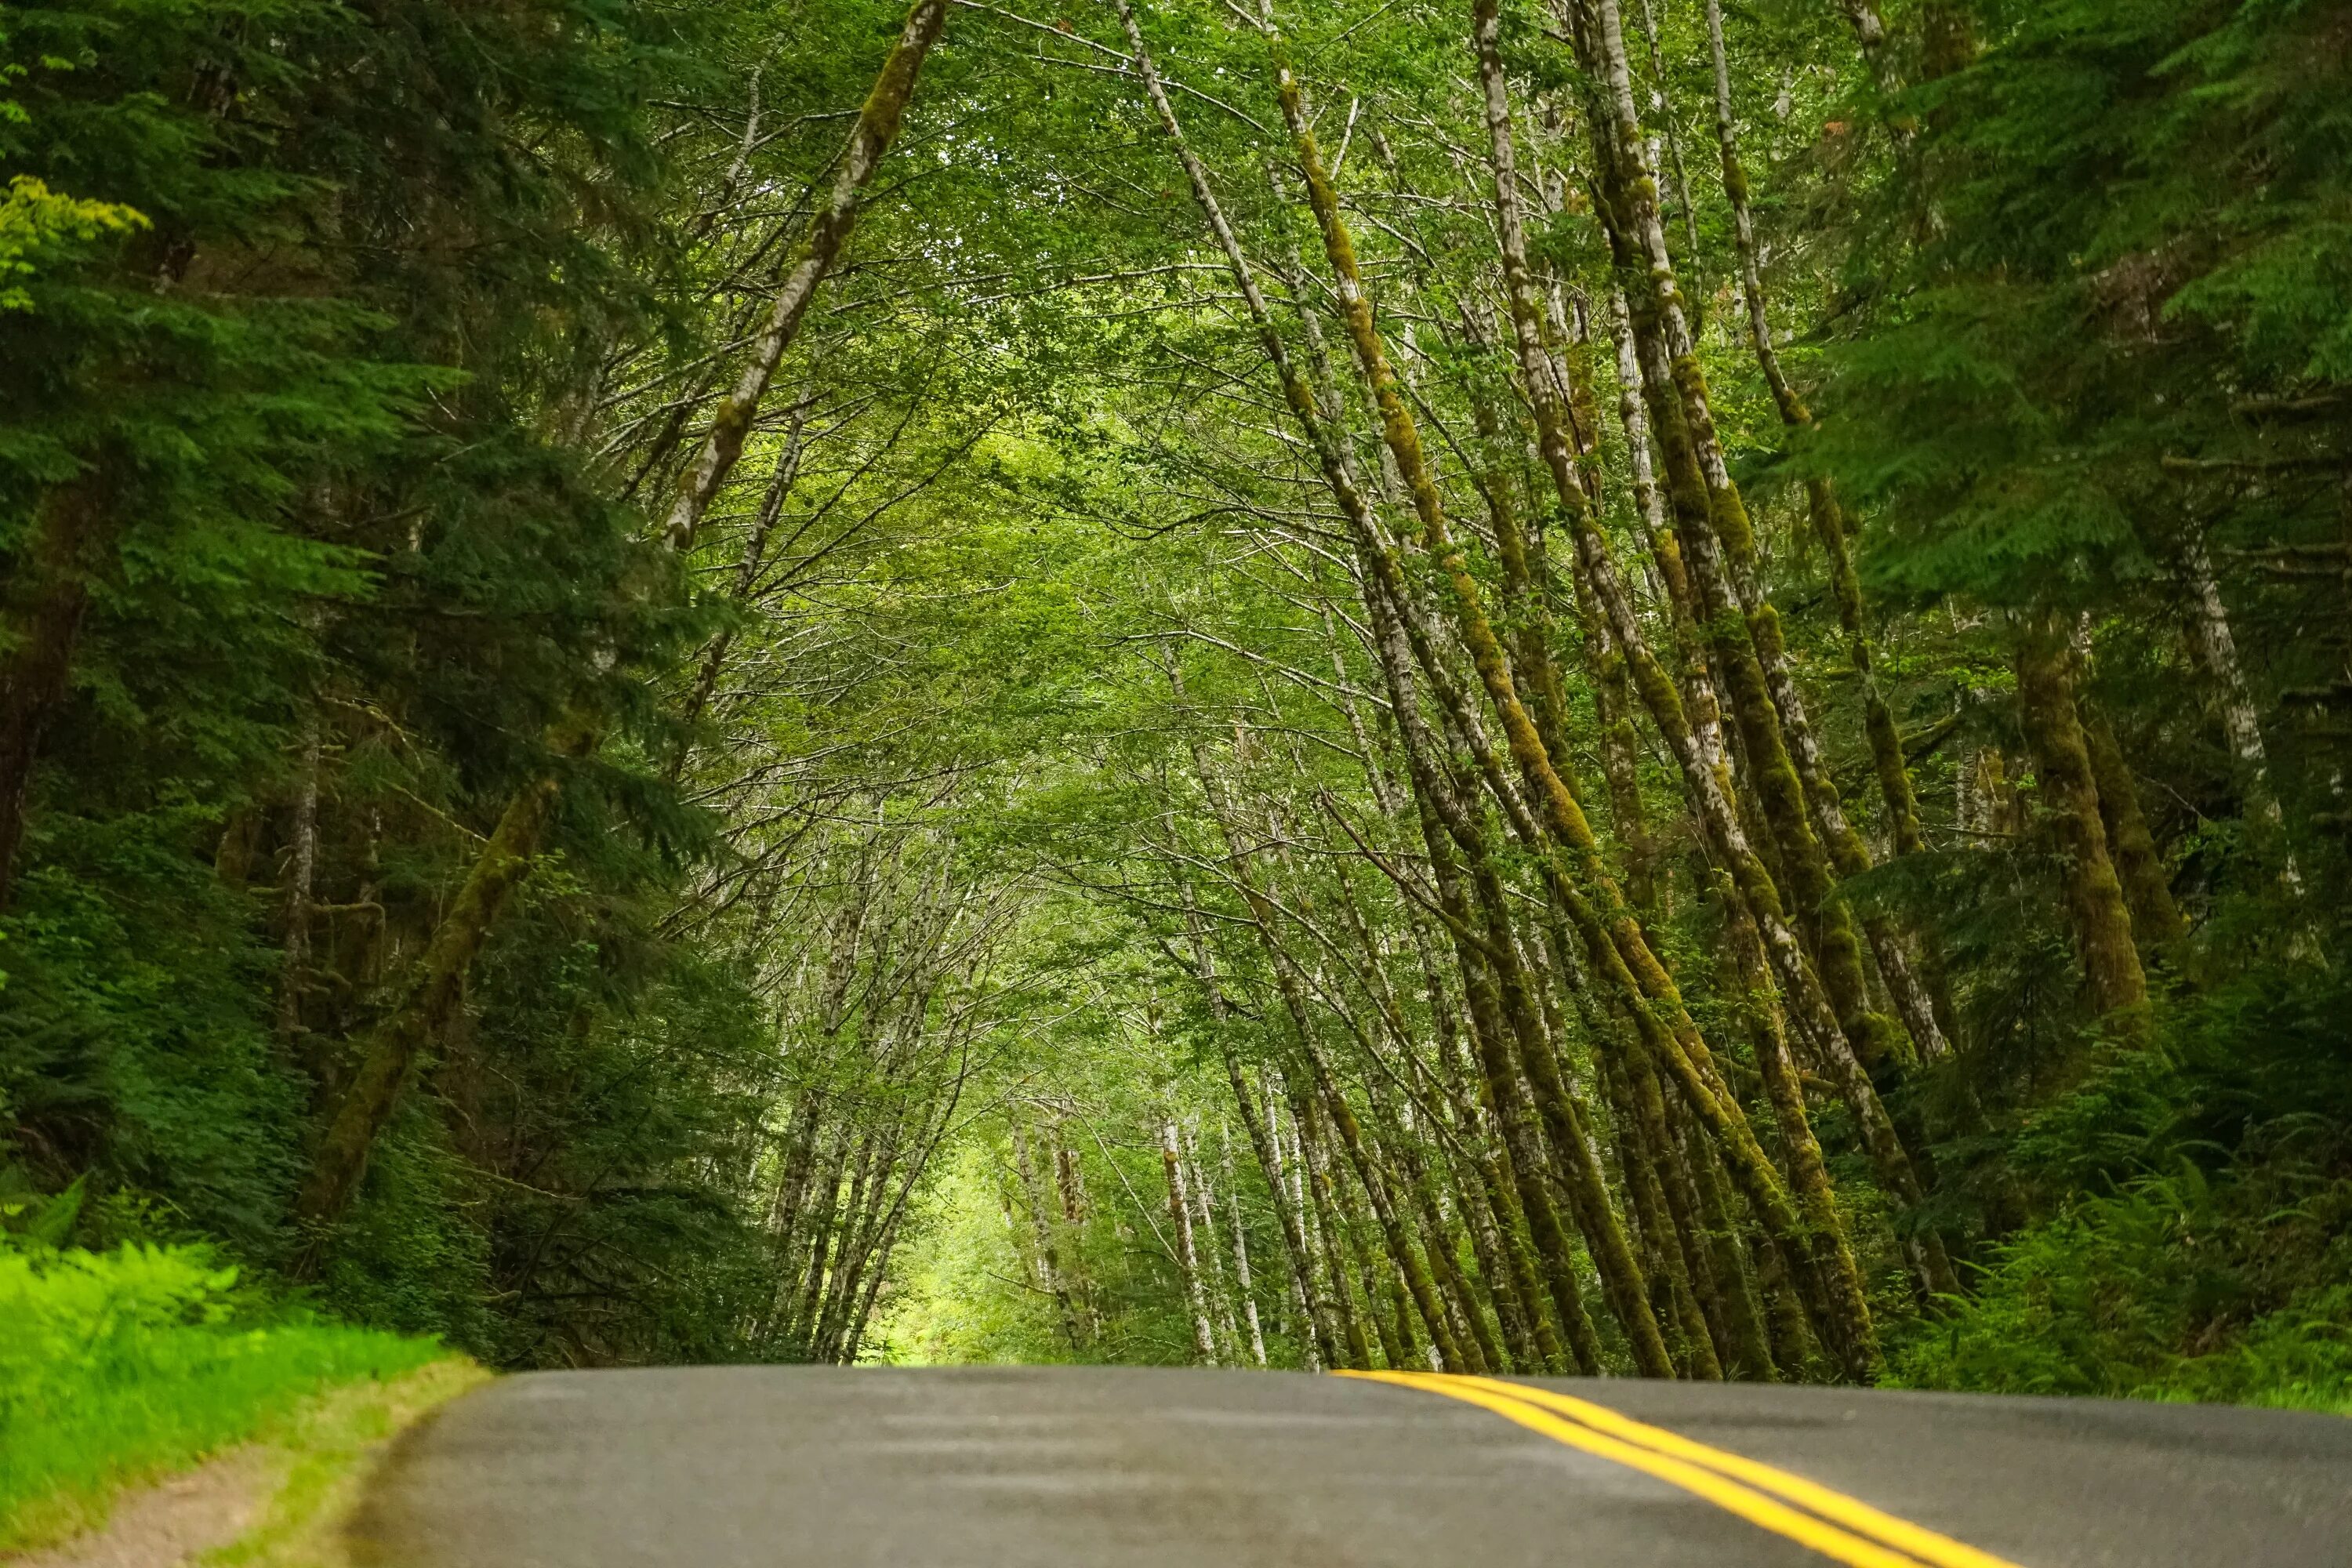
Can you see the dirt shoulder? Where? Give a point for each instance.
(279, 1502)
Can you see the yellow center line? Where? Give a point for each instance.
(1927, 1545)
(1847, 1529)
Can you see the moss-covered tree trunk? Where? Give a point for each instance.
(2156, 920)
(2096, 913)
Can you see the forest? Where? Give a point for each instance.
(1658, 687)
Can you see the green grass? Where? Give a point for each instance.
(116, 1367)
(325, 1451)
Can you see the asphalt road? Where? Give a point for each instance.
(1115, 1467)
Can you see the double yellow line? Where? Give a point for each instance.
(1840, 1528)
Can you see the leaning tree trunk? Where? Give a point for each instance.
(395, 1047)
(1619, 947)
(400, 1042)
(1828, 518)
(1204, 1199)
(1707, 781)
(878, 125)
(2156, 919)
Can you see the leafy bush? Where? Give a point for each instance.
(120, 1364)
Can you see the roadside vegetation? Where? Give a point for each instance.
(1566, 686)
(124, 1365)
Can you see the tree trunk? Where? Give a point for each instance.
(2156, 919)
(1408, 1260)
(1885, 742)
(1188, 1263)
(1204, 1198)
(1041, 1227)
(1751, 1356)
(1322, 1206)
(49, 592)
(395, 1046)
(1241, 1249)
(805, 267)
(2098, 916)
(2217, 650)
(301, 870)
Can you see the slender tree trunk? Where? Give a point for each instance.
(394, 1046)
(878, 1271)
(1488, 1206)
(1480, 1351)
(800, 1151)
(1188, 1263)
(2156, 919)
(1041, 1225)
(2217, 650)
(1391, 1318)
(1661, 1247)
(747, 568)
(1205, 1197)
(1719, 549)
(1440, 810)
(1241, 1249)
(1310, 1150)
(1407, 1258)
(1830, 1278)
(864, 1217)
(1885, 741)
(1316, 1341)
(1718, 541)
(1749, 1356)
(804, 268)
(301, 872)
(823, 1235)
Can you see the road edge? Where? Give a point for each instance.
(325, 1457)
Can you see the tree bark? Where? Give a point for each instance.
(2155, 917)
(301, 870)
(2096, 913)
(1188, 1263)
(396, 1046)
(2217, 650)
(1241, 1249)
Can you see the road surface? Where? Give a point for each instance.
(1118, 1468)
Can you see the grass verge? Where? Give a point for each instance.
(119, 1367)
(327, 1448)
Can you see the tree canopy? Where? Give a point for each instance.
(1652, 689)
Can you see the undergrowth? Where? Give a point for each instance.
(2194, 1239)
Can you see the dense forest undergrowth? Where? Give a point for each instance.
(1658, 687)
